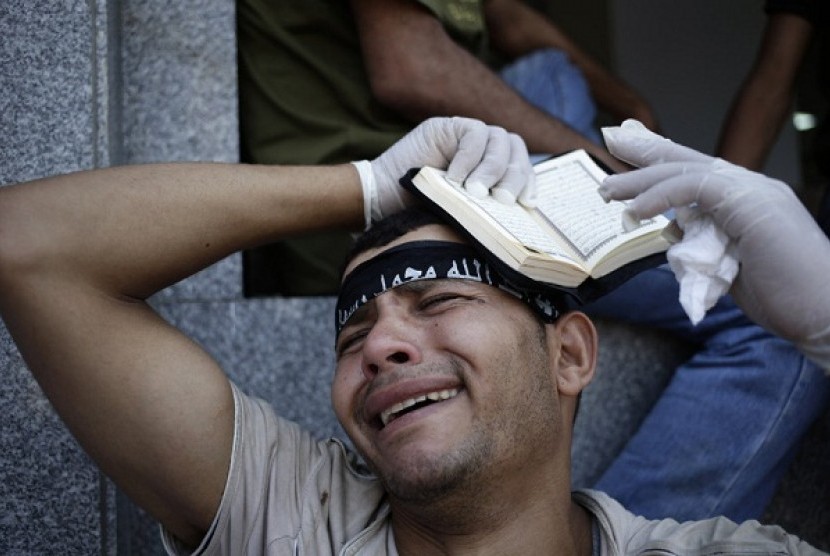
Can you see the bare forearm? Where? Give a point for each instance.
(134, 230)
(516, 29)
(752, 127)
(415, 68)
(765, 98)
(492, 101)
(468, 88)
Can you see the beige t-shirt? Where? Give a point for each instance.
(306, 498)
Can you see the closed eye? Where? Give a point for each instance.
(439, 301)
(350, 340)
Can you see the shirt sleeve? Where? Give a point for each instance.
(625, 533)
(284, 489)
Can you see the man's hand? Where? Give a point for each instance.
(485, 159)
(784, 255)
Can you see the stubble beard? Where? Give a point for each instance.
(433, 479)
(462, 473)
(426, 478)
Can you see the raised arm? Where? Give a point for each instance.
(765, 98)
(80, 253)
(78, 256)
(417, 69)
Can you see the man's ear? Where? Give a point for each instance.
(573, 345)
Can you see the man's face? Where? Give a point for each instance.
(442, 382)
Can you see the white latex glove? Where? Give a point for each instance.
(484, 159)
(784, 279)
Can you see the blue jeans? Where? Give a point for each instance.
(720, 437)
(722, 434)
(549, 81)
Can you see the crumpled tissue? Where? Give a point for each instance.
(704, 261)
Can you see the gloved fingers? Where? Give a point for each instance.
(529, 195)
(477, 156)
(465, 147)
(621, 187)
(629, 184)
(519, 180)
(626, 186)
(490, 168)
(634, 143)
(668, 190)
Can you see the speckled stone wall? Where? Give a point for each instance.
(88, 84)
(54, 118)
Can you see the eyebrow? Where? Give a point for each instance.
(358, 316)
(412, 287)
(419, 286)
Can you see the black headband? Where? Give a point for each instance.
(430, 260)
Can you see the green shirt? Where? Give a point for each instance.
(304, 92)
(304, 98)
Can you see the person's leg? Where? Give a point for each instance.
(548, 80)
(719, 439)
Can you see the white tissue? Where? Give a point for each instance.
(703, 262)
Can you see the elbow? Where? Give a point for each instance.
(392, 96)
(21, 248)
(407, 93)
(7, 223)
(11, 249)
(390, 90)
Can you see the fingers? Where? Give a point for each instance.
(518, 180)
(491, 166)
(490, 160)
(673, 185)
(465, 147)
(625, 186)
(635, 144)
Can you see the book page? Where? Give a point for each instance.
(514, 219)
(569, 203)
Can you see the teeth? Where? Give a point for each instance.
(392, 412)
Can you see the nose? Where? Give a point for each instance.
(392, 342)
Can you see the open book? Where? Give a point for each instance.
(572, 235)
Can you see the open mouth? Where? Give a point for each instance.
(417, 402)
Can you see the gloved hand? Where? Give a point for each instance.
(784, 279)
(483, 159)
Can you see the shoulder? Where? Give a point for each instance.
(622, 533)
(284, 486)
